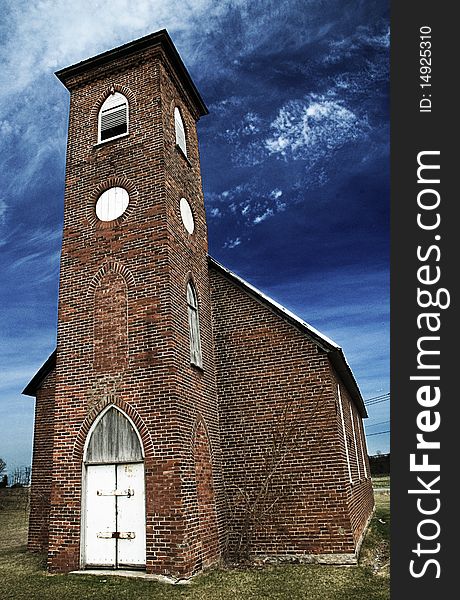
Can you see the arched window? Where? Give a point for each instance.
(194, 326)
(113, 117)
(180, 131)
(113, 440)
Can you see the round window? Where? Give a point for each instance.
(112, 203)
(187, 215)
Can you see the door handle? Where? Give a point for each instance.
(118, 535)
(128, 493)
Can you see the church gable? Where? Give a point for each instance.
(335, 354)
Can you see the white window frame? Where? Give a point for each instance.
(344, 435)
(99, 120)
(194, 326)
(354, 440)
(362, 437)
(179, 128)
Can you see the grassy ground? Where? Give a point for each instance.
(381, 481)
(22, 576)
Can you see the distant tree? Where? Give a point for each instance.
(380, 464)
(4, 478)
(20, 477)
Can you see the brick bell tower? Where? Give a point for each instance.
(135, 479)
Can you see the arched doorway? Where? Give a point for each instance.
(113, 516)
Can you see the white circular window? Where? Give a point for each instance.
(187, 216)
(112, 203)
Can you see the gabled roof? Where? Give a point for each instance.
(40, 376)
(334, 351)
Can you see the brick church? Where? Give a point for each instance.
(184, 415)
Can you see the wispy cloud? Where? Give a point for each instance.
(376, 37)
(232, 243)
(313, 128)
(48, 35)
(259, 218)
(215, 213)
(3, 209)
(249, 202)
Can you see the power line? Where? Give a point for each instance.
(377, 397)
(377, 433)
(379, 423)
(377, 400)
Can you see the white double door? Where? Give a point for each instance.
(114, 530)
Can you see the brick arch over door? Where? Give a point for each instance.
(207, 518)
(110, 328)
(93, 415)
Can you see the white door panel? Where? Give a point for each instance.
(131, 515)
(100, 516)
(115, 515)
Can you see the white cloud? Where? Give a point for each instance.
(244, 137)
(249, 201)
(3, 209)
(32, 257)
(226, 106)
(276, 193)
(363, 36)
(48, 35)
(232, 243)
(5, 128)
(215, 213)
(312, 128)
(380, 40)
(259, 218)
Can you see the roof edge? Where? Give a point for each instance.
(340, 364)
(335, 352)
(40, 376)
(326, 343)
(158, 38)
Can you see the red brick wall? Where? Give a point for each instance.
(359, 492)
(208, 539)
(135, 268)
(110, 324)
(279, 432)
(195, 388)
(42, 466)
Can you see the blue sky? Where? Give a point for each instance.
(295, 164)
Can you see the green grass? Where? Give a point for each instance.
(22, 575)
(381, 481)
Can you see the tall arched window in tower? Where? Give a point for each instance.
(180, 131)
(113, 117)
(194, 326)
